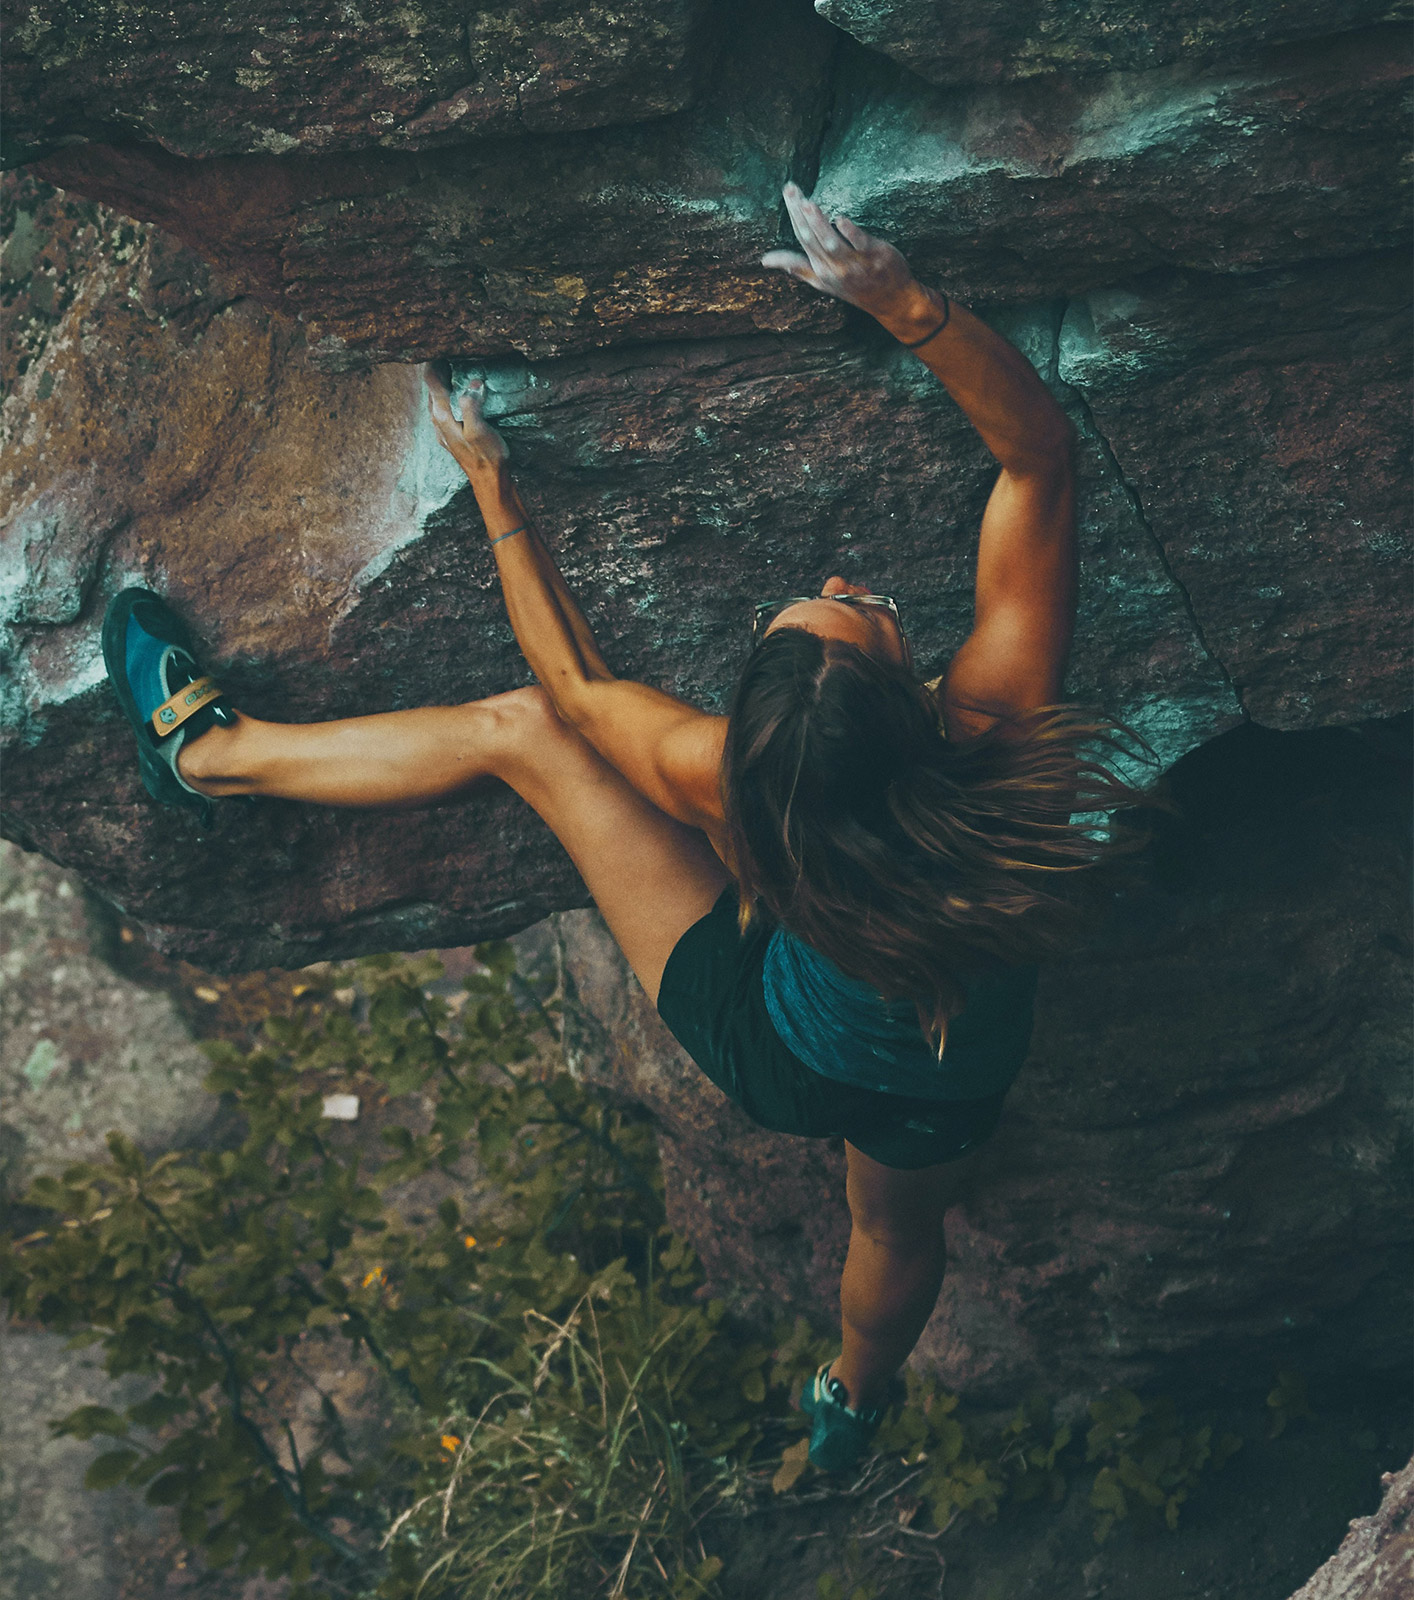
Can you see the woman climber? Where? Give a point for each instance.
(833, 894)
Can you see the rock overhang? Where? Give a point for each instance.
(1195, 258)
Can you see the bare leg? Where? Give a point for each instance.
(650, 876)
(894, 1268)
(392, 760)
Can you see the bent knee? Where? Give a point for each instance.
(518, 708)
(528, 731)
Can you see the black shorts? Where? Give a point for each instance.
(714, 1003)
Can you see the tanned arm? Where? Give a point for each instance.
(1014, 658)
(670, 751)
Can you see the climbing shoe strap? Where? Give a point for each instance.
(186, 702)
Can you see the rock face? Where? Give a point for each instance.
(266, 79)
(651, 230)
(1192, 224)
(1376, 1560)
(81, 1050)
(1229, 359)
(985, 41)
(1203, 1166)
(541, 245)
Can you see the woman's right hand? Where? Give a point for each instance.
(476, 445)
(844, 261)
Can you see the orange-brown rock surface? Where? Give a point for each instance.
(1199, 248)
(213, 298)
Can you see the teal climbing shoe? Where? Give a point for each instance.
(164, 694)
(839, 1435)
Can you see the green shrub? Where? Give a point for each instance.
(595, 1404)
(1152, 1461)
(565, 1409)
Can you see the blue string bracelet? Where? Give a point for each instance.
(918, 343)
(510, 535)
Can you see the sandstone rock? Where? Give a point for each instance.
(560, 243)
(317, 538)
(1376, 1559)
(1061, 185)
(321, 543)
(81, 1050)
(540, 245)
(1190, 256)
(272, 79)
(984, 41)
(1277, 497)
(1204, 1165)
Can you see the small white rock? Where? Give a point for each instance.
(341, 1107)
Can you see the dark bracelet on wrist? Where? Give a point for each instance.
(510, 535)
(916, 344)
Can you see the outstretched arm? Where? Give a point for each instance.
(670, 751)
(1014, 658)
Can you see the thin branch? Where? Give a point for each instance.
(299, 1468)
(234, 1386)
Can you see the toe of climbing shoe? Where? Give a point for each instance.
(164, 694)
(840, 1436)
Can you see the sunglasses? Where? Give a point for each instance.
(766, 612)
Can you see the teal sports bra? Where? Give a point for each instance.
(846, 1030)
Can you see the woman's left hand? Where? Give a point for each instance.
(844, 261)
(473, 441)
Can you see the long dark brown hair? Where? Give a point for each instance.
(908, 859)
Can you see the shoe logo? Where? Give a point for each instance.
(166, 714)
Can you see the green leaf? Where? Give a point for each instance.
(109, 1469)
(157, 1410)
(90, 1420)
(1107, 1494)
(794, 1461)
(168, 1490)
(950, 1440)
(222, 1547)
